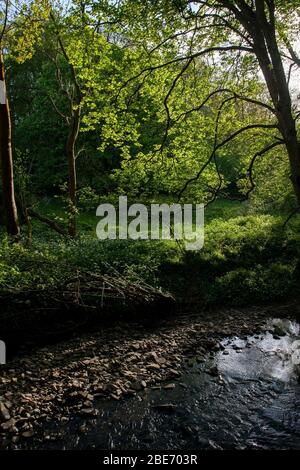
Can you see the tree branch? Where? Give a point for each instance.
(51, 223)
(187, 58)
(252, 162)
(235, 95)
(62, 115)
(218, 146)
(4, 22)
(184, 68)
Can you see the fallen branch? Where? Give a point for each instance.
(51, 223)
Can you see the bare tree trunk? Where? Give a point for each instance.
(12, 224)
(71, 155)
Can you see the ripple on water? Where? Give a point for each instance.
(265, 356)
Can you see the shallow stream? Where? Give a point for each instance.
(244, 396)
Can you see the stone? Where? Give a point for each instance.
(165, 407)
(137, 386)
(27, 434)
(213, 371)
(4, 413)
(169, 387)
(174, 373)
(8, 425)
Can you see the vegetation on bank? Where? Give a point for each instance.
(246, 258)
(121, 99)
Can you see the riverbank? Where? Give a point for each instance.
(45, 389)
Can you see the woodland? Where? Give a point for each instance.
(162, 101)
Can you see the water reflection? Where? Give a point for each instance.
(246, 396)
(262, 356)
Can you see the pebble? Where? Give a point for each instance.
(169, 387)
(108, 364)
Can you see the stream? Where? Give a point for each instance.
(244, 396)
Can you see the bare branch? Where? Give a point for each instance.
(235, 95)
(294, 56)
(252, 162)
(217, 147)
(189, 58)
(51, 223)
(184, 68)
(65, 54)
(62, 115)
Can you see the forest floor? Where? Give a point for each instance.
(54, 383)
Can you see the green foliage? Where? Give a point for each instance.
(273, 192)
(147, 128)
(88, 199)
(245, 259)
(140, 134)
(27, 28)
(261, 283)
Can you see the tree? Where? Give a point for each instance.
(11, 215)
(78, 48)
(245, 34)
(21, 27)
(262, 31)
(73, 120)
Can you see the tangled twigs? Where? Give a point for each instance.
(79, 298)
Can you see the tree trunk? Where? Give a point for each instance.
(262, 29)
(51, 223)
(74, 127)
(10, 208)
(282, 99)
(71, 156)
(293, 149)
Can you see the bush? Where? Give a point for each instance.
(262, 283)
(244, 260)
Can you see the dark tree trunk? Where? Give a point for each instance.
(293, 149)
(71, 156)
(74, 126)
(51, 223)
(261, 28)
(10, 208)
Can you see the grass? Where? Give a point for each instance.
(225, 209)
(245, 259)
(87, 220)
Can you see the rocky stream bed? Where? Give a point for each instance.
(221, 379)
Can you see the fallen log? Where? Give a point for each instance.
(51, 223)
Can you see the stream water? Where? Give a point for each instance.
(247, 395)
